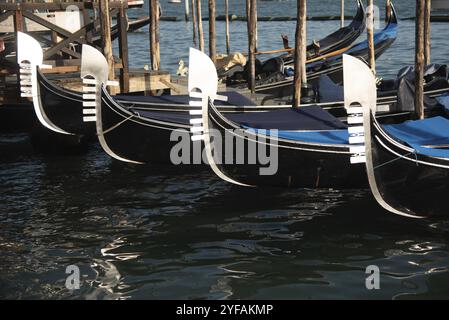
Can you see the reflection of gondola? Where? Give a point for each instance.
(277, 82)
(407, 163)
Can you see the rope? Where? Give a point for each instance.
(117, 125)
(397, 158)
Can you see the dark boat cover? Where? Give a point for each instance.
(304, 118)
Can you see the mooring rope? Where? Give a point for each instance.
(397, 158)
(118, 124)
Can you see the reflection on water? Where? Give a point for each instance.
(167, 233)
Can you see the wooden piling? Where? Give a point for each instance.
(154, 35)
(194, 23)
(419, 59)
(251, 14)
(387, 10)
(212, 39)
(123, 49)
(300, 52)
(187, 10)
(200, 25)
(427, 12)
(342, 14)
(228, 45)
(370, 35)
(105, 22)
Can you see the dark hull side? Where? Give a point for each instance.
(137, 139)
(408, 182)
(64, 108)
(299, 164)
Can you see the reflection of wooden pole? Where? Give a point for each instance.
(370, 33)
(212, 39)
(342, 14)
(427, 32)
(300, 52)
(419, 59)
(154, 35)
(105, 22)
(200, 25)
(251, 16)
(187, 11)
(194, 25)
(228, 45)
(387, 10)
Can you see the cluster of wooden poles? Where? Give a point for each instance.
(422, 56)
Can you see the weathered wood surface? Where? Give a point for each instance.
(300, 52)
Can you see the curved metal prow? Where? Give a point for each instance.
(203, 85)
(360, 88)
(94, 73)
(29, 58)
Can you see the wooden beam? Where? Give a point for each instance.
(212, 39)
(154, 35)
(228, 45)
(427, 41)
(300, 52)
(251, 14)
(123, 49)
(370, 35)
(419, 59)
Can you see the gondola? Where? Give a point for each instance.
(305, 147)
(62, 108)
(407, 163)
(279, 83)
(152, 136)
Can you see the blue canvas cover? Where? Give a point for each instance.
(427, 137)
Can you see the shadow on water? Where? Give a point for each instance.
(158, 232)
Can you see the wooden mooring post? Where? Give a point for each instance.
(200, 25)
(105, 22)
(427, 29)
(123, 48)
(251, 13)
(228, 45)
(370, 35)
(342, 14)
(387, 10)
(419, 59)
(300, 76)
(154, 35)
(187, 10)
(212, 39)
(194, 23)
